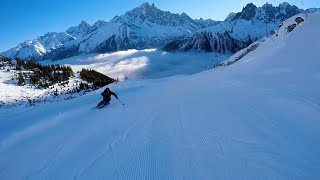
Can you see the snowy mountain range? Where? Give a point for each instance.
(143, 27)
(238, 30)
(149, 27)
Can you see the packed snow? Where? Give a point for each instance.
(255, 119)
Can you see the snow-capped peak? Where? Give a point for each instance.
(230, 16)
(284, 5)
(99, 24)
(80, 30)
(267, 12)
(184, 15)
(237, 31)
(84, 24)
(247, 13)
(36, 48)
(28, 42)
(150, 13)
(313, 10)
(145, 9)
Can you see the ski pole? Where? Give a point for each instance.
(121, 102)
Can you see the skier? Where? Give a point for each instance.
(106, 94)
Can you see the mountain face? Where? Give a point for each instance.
(33, 49)
(313, 10)
(149, 27)
(209, 42)
(80, 30)
(237, 31)
(143, 27)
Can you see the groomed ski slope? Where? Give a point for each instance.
(256, 119)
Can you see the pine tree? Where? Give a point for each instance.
(20, 80)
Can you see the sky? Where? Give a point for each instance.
(27, 19)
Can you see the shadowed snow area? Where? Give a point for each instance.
(258, 118)
(145, 64)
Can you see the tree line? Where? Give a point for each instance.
(45, 76)
(42, 75)
(96, 78)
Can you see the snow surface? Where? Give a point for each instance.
(11, 92)
(12, 95)
(256, 119)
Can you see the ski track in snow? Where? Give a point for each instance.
(109, 150)
(46, 163)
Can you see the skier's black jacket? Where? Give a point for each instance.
(106, 94)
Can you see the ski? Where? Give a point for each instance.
(99, 107)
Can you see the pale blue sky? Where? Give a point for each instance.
(27, 19)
